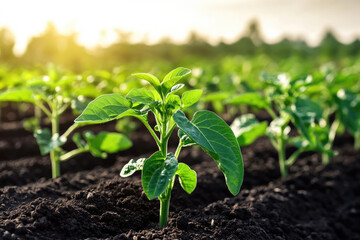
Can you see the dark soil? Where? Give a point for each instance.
(91, 200)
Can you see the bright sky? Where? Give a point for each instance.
(152, 20)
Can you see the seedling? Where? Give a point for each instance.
(52, 94)
(286, 96)
(349, 113)
(206, 129)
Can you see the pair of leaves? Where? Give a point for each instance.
(168, 82)
(158, 172)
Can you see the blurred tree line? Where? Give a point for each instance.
(64, 50)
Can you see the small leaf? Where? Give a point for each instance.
(187, 177)
(141, 96)
(216, 138)
(157, 174)
(105, 108)
(191, 97)
(251, 99)
(154, 81)
(17, 95)
(174, 76)
(247, 129)
(109, 142)
(176, 88)
(47, 141)
(132, 166)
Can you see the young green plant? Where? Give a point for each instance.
(291, 105)
(206, 129)
(52, 94)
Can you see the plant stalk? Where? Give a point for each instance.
(55, 153)
(357, 140)
(281, 152)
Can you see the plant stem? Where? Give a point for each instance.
(153, 134)
(72, 154)
(357, 140)
(55, 153)
(70, 130)
(281, 152)
(325, 157)
(164, 204)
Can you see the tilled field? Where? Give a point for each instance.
(92, 201)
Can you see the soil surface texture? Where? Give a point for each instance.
(91, 201)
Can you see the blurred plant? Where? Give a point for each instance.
(53, 95)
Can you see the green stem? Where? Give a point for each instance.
(325, 157)
(70, 130)
(55, 153)
(281, 151)
(72, 154)
(291, 160)
(165, 203)
(178, 149)
(357, 140)
(153, 134)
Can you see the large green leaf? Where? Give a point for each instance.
(187, 177)
(47, 141)
(251, 99)
(105, 108)
(141, 96)
(216, 138)
(17, 95)
(157, 174)
(191, 97)
(247, 129)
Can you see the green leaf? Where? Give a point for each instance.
(17, 95)
(174, 76)
(154, 81)
(105, 108)
(141, 96)
(247, 129)
(307, 110)
(109, 142)
(187, 177)
(47, 141)
(157, 174)
(216, 138)
(251, 99)
(191, 97)
(176, 88)
(132, 166)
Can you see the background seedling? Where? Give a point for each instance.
(53, 95)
